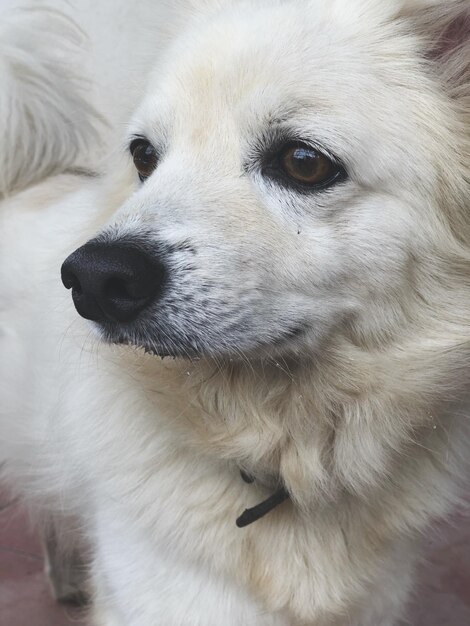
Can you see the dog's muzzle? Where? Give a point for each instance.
(112, 282)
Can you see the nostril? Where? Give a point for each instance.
(122, 299)
(118, 289)
(76, 286)
(71, 281)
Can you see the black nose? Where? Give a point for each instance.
(112, 281)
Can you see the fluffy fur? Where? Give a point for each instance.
(362, 415)
(41, 91)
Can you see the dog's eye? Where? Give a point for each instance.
(145, 157)
(304, 166)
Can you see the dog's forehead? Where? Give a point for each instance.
(336, 73)
(300, 52)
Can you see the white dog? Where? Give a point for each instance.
(287, 220)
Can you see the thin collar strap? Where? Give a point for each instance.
(263, 508)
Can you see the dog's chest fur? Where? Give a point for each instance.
(313, 556)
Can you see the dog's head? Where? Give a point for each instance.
(295, 166)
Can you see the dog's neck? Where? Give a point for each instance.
(322, 429)
(255, 513)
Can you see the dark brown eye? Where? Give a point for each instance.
(145, 157)
(304, 165)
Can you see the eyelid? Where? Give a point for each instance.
(135, 140)
(264, 158)
(273, 140)
(310, 144)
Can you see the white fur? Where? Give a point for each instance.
(46, 123)
(363, 418)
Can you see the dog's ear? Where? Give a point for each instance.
(444, 26)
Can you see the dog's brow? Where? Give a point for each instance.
(154, 130)
(282, 115)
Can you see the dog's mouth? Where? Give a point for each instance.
(158, 350)
(154, 346)
(194, 349)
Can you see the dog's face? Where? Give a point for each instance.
(284, 171)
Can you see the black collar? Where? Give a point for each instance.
(263, 508)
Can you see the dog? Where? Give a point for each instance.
(235, 329)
